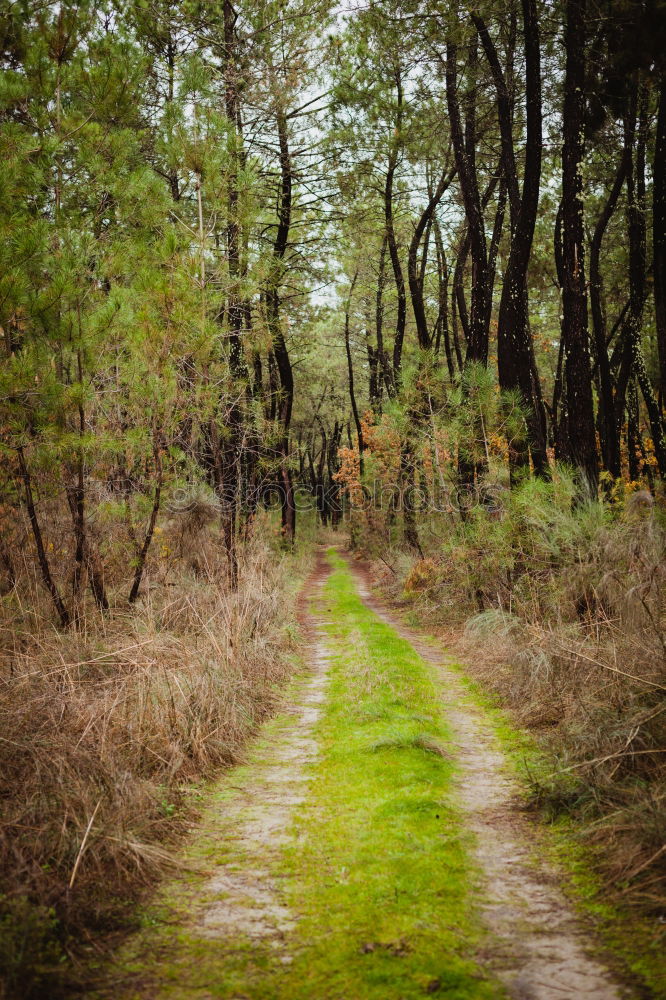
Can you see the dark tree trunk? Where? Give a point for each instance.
(391, 238)
(408, 506)
(638, 271)
(374, 373)
(458, 293)
(231, 452)
(385, 364)
(633, 432)
(143, 553)
(581, 443)
(332, 487)
(42, 558)
(515, 353)
(415, 275)
(609, 431)
(659, 236)
(350, 373)
(280, 351)
(464, 150)
(442, 328)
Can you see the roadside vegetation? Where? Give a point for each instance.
(107, 732)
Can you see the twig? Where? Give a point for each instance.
(645, 865)
(602, 760)
(606, 666)
(83, 843)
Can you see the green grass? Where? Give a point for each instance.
(383, 864)
(379, 874)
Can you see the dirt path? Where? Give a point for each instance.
(242, 897)
(538, 947)
(240, 913)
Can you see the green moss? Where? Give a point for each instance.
(381, 861)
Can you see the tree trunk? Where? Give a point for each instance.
(581, 444)
(280, 351)
(63, 613)
(515, 352)
(609, 431)
(463, 148)
(408, 510)
(415, 278)
(141, 561)
(401, 314)
(638, 267)
(659, 236)
(350, 373)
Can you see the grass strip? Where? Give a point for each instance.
(381, 858)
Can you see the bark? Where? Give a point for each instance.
(464, 153)
(280, 351)
(515, 352)
(659, 236)
(42, 558)
(609, 434)
(174, 184)
(141, 560)
(638, 274)
(633, 431)
(84, 555)
(374, 371)
(332, 487)
(581, 440)
(459, 288)
(384, 373)
(408, 509)
(350, 373)
(322, 500)
(443, 300)
(415, 276)
(231, 473)
(401, 314)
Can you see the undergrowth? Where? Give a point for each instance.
(106, 729)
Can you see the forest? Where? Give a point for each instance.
(382, 275)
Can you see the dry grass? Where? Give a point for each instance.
(105, 731)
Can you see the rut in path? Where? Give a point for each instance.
(244, 898)
(535, 945)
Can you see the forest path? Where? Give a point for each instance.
(373, 847)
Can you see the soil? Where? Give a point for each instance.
(249, 901)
